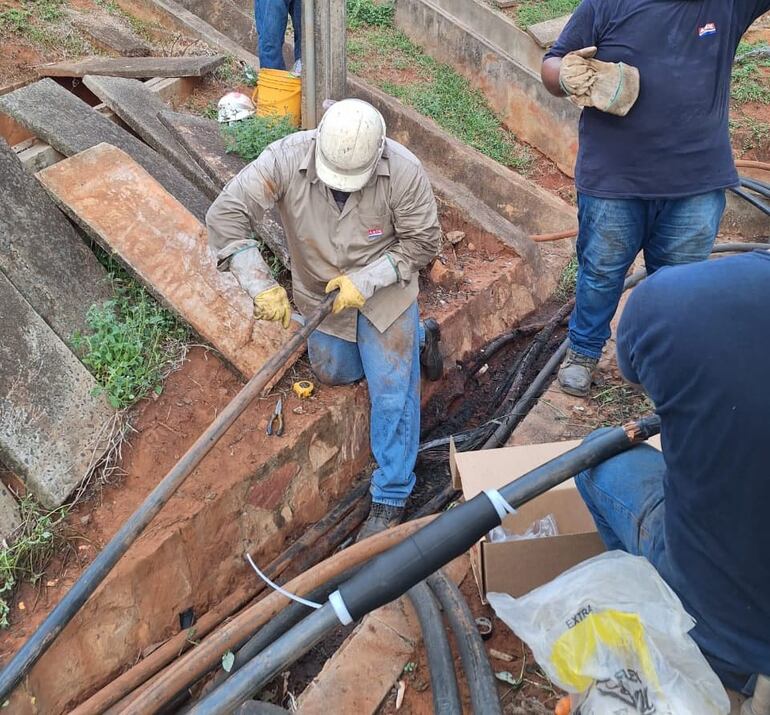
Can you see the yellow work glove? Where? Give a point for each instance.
(273, 304)
(349, 295)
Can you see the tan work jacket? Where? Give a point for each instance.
(395, 213)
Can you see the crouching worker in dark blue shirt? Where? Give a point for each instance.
(651, 169)
(697, 339)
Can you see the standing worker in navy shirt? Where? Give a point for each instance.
(654, 158)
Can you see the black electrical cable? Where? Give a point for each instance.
(478, 671)
(446, 696)
(763, 207)
(760, 187)
(386, 577)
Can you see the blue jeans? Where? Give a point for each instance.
(390, 362)
(612, 232)
(625, 496)
(272, 17)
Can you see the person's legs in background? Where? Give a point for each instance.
(611, 234)
(683, 230)
(271, 17)
(625, 498)
(295, 10)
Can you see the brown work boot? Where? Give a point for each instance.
(576, 373)
(381, 517)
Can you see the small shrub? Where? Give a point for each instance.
(248, 138)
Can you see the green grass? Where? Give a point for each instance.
(531, 12)
(568, 280)
(43, 23)
(30, 549)
(366, 12)
(433, 89)
(132, 342)
(749, 132)
(249, 137)
(749, 83)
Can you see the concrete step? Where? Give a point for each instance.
(75, 127)
(51, 424)
(42, 255)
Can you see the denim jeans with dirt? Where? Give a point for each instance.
(612, 233)
(390, 362)
(271, 17)
(625, 496)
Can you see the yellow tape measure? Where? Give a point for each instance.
(303, 388)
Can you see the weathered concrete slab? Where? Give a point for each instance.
(139, 107)
(228, 18)
(546, 33)
(42, 255)
(523, 203)
(190, 66)
(75, 127)
(130, 214)
(172, 14)
(111, 36)
(10, 516)
(38, 155)
(514, 91)
(203, 141)
(50, 422)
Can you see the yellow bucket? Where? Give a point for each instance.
(278, 93)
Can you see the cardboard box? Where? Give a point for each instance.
(516, 567)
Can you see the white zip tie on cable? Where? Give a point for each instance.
(502, 507)
(336, 602)
(280, 590)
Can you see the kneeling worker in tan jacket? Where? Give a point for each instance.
(360, 216)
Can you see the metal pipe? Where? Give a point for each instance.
(90, 579)
(309, 75)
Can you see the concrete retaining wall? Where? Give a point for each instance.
(526, 205)
(513, 90)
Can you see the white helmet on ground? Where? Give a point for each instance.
(350, 141)
(234, 106)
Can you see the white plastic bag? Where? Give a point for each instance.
(611, 629)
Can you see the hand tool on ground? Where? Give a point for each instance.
(303, 388)
(90, 579)
(275, 425)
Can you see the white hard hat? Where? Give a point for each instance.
(234, 106)
(349, 143)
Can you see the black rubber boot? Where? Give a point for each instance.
(381, 517)
(430, 355)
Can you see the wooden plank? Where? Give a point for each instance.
(74, 127)
(128, 213)
(134, 67)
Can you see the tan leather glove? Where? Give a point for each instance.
(611, 87)
(273, 304)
